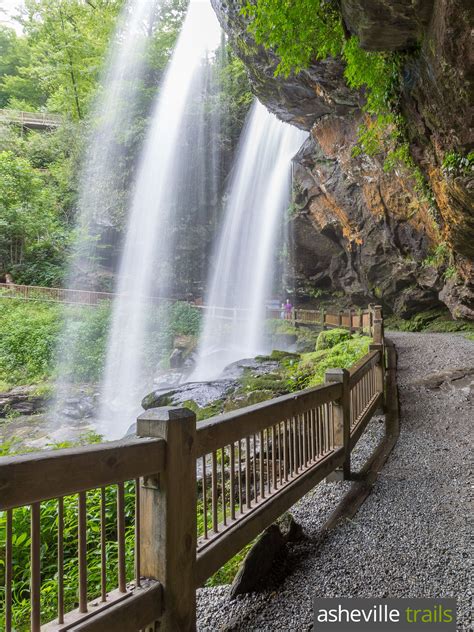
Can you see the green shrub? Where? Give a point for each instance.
(312, 367)
(28, 335)
(49, 522)
(330, 338)
(32, 333)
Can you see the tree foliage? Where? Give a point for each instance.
(302, 31)
(57, 64)
(30, 230)
(68, 42)
(298, 30)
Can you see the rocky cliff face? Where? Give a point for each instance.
(358, 229)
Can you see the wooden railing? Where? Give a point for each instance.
(360, 320)
(53, 294)
(200, 494)
(33, 120)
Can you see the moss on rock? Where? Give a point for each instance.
(331, 338)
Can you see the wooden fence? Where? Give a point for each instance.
(201, 493)
(354, 320)
(30, 120)
(53, 294)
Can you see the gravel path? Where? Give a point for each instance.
(411, 536)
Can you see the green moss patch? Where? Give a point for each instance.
(331, 338)
(202, 413)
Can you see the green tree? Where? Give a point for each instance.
(68, 41)
(17, 90)
(30, 232)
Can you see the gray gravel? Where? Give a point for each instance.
(411, 536)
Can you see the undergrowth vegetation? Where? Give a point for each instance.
(292, 372)
(31, 333)
(49, 526)
(434, 321)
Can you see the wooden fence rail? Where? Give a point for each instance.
(200, 493)
(30, 120)
(351, 319)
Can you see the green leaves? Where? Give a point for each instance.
(299, 31)
(30, 230)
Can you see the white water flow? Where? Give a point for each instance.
(115, 109)
(241, 280)
(152, 230)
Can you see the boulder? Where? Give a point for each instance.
(258, 562)
(22, 400)
(269, 547)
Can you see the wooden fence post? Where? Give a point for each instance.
(351, 328)
(342, 420)
(340, 317)
(168, 516)
(379, 345)
(323, 319)
(392, 421)
(378, 332)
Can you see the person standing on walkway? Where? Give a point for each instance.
(288, 309)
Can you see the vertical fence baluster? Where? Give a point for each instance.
(323, 433)
(269, 480)
(278, 480)
(121, 537)
(327, 421)
(261, 462)
(274, 483)
(300, 427)
(204, 496)
(359, 398)
(247, 473)
(103, 544)
(307, 445)
(137, 534)
(35, 568)
(254, 469)
(239, 475)
(289, 447)
(224, 507)
(318, 432)
(285, 449)
(232, 481)
(60, 560)
(82, 550)
(331, 426)
(214, 492)
(8, 571)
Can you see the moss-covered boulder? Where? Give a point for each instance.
(331, 338)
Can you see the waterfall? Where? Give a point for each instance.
(116, 108)
(241, 279)
(169, 175)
